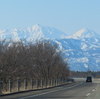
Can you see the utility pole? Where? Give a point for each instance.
(89, 71)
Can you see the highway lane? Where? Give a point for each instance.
(95, 94)
(77, 92)
(80, 90)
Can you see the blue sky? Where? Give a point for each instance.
(68, 16)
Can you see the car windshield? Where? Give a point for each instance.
(89, 78)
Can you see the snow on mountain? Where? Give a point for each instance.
(35, 32)
(82, 48)
(86, 33)
(47, 32)
(79, 57)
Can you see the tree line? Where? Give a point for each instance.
(94, 74)
(39, 60)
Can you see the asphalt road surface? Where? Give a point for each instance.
(80, 90)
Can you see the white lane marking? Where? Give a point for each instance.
(93, 90)
(97, 86)
(50, 91)
(88, 94)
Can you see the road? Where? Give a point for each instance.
(80, 90)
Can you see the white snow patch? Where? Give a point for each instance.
(84, 46)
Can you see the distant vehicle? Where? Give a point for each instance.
(89, 79)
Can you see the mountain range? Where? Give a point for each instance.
(82, 48)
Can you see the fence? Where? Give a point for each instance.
(30, 84)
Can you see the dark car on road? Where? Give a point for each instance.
(89, 79)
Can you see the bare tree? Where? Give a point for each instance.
(28, 60)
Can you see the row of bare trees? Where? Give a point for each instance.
(95, 74)
(27, 60)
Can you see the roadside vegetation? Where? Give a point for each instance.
(95, 74)
(25, 60)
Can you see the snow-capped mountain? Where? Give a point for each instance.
(81, 54)
(86, 33)
(35, 32)
(82, 48)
